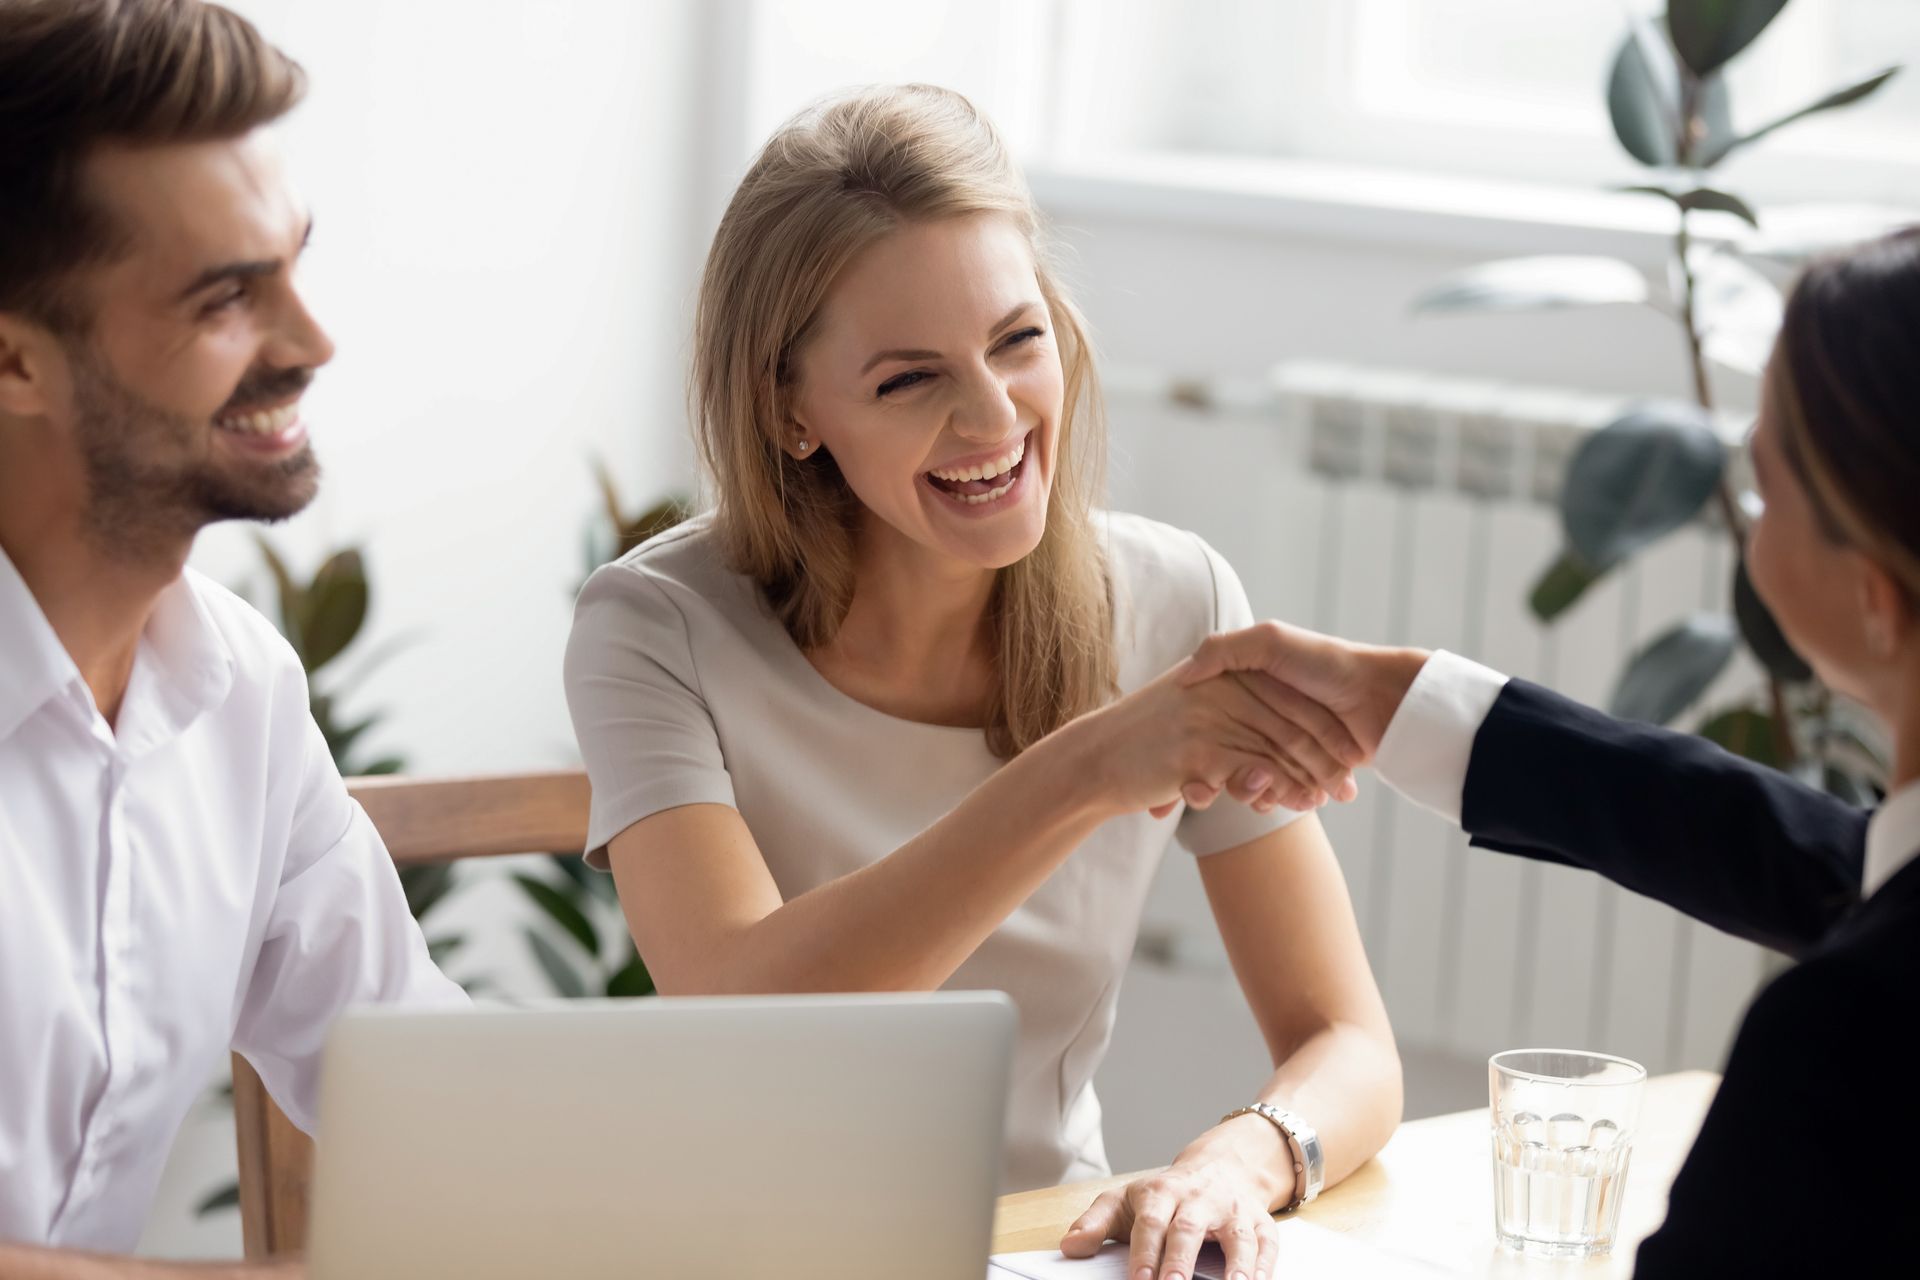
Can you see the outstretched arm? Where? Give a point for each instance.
(1526, 771)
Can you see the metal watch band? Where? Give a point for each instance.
(1309, 1162)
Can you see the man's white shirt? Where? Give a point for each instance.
(1429, 742)
(192, 879)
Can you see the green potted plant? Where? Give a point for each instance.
(1662, 464)
(575, 954)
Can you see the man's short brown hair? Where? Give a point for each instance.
(78, 73)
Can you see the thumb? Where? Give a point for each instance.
(1092, 1228)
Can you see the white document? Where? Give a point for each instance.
(1305, 1251)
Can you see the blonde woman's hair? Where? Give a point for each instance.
(832, 181)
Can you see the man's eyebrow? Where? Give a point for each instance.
(921, 354)
(239, 270)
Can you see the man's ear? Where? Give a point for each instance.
(29, 357)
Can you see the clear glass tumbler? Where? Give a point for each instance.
(1563, 1126)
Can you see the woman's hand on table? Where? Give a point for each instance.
(1166, 1217)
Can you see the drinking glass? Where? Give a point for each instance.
(1563, 1126)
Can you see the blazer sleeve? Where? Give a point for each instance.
(1737, 845)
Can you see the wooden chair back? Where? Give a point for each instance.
(422, 820)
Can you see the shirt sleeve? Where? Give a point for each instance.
(1425, 751)
(643, 725)
(1226, 824)
(338, 934)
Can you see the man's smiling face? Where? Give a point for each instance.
(184, 382)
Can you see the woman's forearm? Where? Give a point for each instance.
(908, 921)
(1344, 1081)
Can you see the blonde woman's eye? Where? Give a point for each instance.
(901, 381)
(1025, 336)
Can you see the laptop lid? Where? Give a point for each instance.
(852, 1136)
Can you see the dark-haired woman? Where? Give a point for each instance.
(1807, 1161)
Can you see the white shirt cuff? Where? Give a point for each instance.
(1424, 753)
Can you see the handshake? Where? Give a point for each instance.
(1270, 716)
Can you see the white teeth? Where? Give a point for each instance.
(265, 423)
(991, 495)
(999, 466)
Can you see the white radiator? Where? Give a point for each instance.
(1405, 508)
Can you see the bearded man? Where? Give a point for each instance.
(182, 871)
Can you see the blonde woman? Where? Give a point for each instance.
(898, 713)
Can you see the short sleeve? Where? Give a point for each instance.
(1227, 824)
(643, 725)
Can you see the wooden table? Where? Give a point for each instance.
(1429, 1193)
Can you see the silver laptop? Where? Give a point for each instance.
(796, 1136)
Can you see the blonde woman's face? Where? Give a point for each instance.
(933, 379)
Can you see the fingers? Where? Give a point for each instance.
(1269, 1257)
(1241, 1244)
(1257, 648)
(1199, 795)
(1326, 729)
(1287, 736)
(1152, 1218)
(1285, 727)
(1185, 1234)
(1104, 1219)
(1281, 651)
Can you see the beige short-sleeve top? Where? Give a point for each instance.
(685, 689)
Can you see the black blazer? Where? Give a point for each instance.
(1809, 1160)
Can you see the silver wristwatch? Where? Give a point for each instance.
(1309, 1162)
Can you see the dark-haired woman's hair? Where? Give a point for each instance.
(1845, 382)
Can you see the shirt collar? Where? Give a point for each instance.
(1893, 838)
(34, 665)
(183, 667)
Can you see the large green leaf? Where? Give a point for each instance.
(1639, 478)
(1703, 198)
(631, 979)
(1644, 101)
(1737, 310)
(1531, 284)
(337, 608)
(292, 601)
(1745, 732)
(562, 911)
(559, 970)
(227, 1197)
(340, 738)
(426, 886)
(1707, 33)
(1671, 674)
(1720, 149)
(1762, 632)
(1563, 583)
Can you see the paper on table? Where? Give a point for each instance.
(1305, 1250)
(1109, 1264)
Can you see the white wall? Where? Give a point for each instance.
(504, 252)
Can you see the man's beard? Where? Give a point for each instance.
(150, 478)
